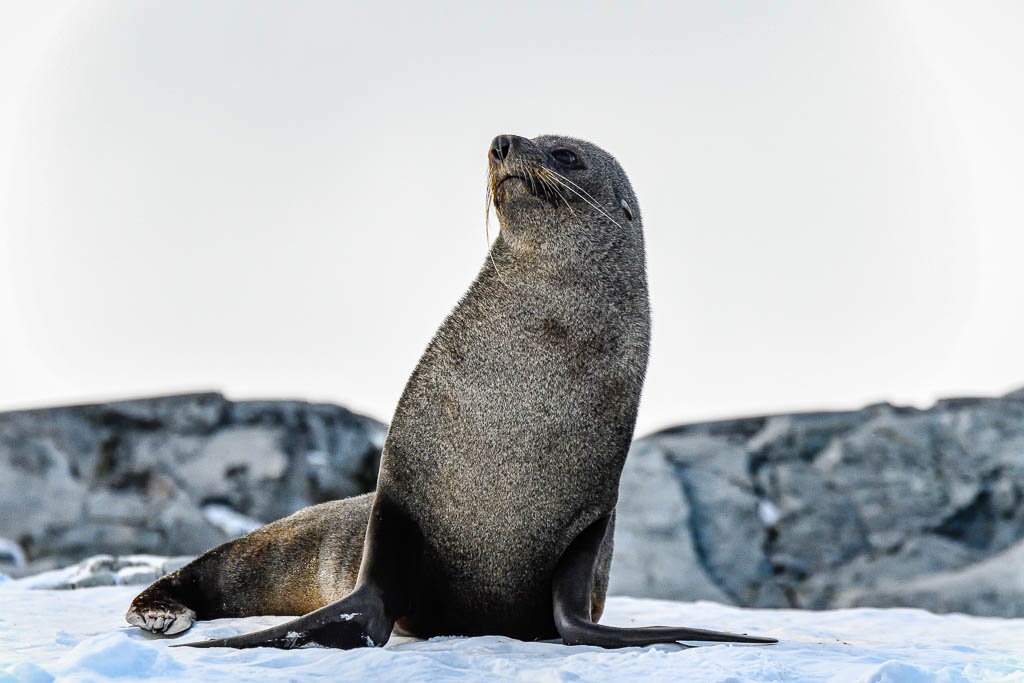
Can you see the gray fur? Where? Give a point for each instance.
(512, 432)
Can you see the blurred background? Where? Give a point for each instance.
(285, 199)
(282, 200)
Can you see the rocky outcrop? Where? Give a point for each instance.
(172, 475)
(881, 506)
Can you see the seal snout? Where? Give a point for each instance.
(516, 170)
(500, 147)
(505, 156)
(504, 145)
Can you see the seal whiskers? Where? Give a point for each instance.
(487, 231)
(550, 183)
(578, 191)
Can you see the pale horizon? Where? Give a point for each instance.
(273, 200)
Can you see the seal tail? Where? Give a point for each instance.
(572, 586)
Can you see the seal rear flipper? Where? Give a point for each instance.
(292, 566)
(358, 620)
(365, 617)
(571, 590)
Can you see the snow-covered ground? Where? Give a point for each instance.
(80, 635)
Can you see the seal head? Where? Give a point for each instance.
(560, 192)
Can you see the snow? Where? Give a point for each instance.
(232, 523)
(80, 635)
(103, 570)
(11, 552)
(768, 512)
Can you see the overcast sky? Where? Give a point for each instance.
(285, 199)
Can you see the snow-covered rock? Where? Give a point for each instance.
(104, 570)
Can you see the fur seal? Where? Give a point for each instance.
(494, 508)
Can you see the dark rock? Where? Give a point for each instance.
(881, 506)
(134, 476)
(655, 554)
(993, 586)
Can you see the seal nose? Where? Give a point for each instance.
(500, 147)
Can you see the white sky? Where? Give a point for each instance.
(284, 199)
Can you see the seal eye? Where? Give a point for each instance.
(564, 157)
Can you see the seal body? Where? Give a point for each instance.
(499, 476)
(513, 429)
(515, 426)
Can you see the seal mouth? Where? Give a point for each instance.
(511, 176)
(532, 183)
(514, 183)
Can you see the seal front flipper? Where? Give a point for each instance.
(359, 620)
(572, 586)
(365, 617)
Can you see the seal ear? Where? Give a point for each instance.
(625, 207)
